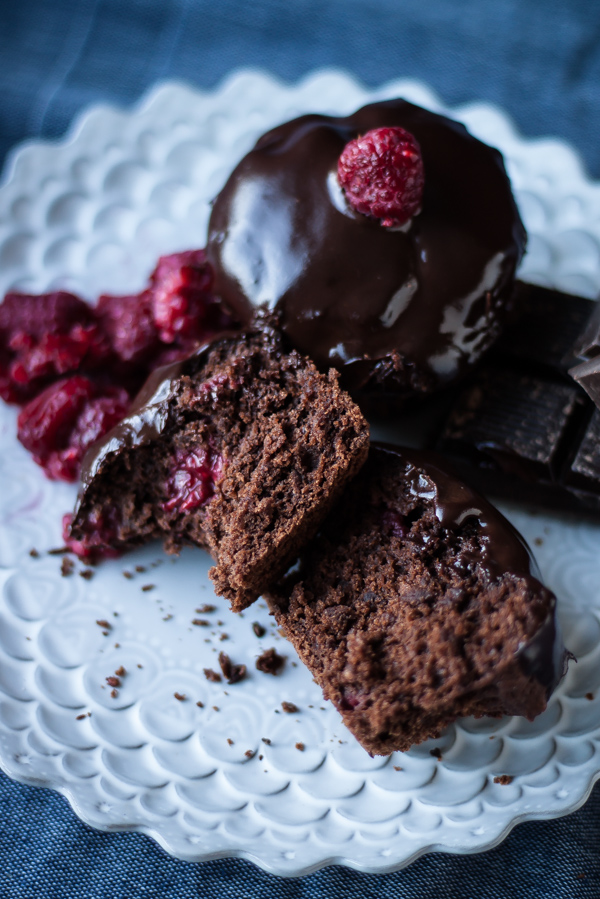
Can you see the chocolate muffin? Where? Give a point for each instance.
(419, 603)
(241, 449)
(400, 310)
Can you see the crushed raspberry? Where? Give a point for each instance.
(43, 338)
(395, 523)
(129, 325)
(60, 424)
(99, 542)
(382, 175)
(350, 700)
(191, 482)
(182, 300)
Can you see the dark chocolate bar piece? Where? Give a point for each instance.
(588, 344)
(546, 329)
(515, 422)
(587, 374)
(583, 472)
(529, 439)
(523, 428)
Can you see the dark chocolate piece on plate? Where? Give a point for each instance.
(547, 327)
(583, 471)
(515, 422)
(587, 374)
(588, 345)
(522, 429)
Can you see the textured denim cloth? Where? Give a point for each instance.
(540, 60)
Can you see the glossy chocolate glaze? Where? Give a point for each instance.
(405, 309)
(504, 551)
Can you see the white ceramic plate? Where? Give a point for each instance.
(91, 213)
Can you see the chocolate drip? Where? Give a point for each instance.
(418, 304)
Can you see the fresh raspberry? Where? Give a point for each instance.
(120, 341)
(49, 313)
(60, 424)
(191, 482)
(382, 175)
(43, 338)
(129, 325)
(183, 304)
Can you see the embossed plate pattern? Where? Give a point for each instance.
(92, 213)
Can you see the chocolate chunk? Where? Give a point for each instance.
(588, 344)
(587, 374)
(583, 472)
(516, 423)
(546, 329)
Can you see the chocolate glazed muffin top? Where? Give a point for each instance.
(399, 310)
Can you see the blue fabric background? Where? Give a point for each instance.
(540, 60)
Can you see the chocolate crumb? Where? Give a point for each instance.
(140, 569)
(219, 624)
(589, 696)
(216, 708)
(120, 672)
(258, 629)
(266, 740)
(232, 673)
(538, 541)
(200, 622)
(224, 637)
(128, 575)
(260, 758)
(113, 681)
(102, 623)
(34, 553)
(147, 587)
(59, 551)
(206, 609)
(436, 753)
(289, 707)
(300, 746)
(270, 662)
(87, 574)
(504, 779)
(212, 676)
(230, 741)
(181, 697)
(249, 753)
(114, 693)
(80, 717)
(397, 768)
(167, 617)
(200, 704)
(139, 666)
(67, 566)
